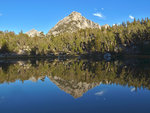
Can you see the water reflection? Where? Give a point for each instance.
(77, 77)
(99, 93)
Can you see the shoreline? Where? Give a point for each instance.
(63, 57)
(5, 57)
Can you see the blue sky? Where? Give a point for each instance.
(17, 15)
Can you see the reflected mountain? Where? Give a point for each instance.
(72, 87)
(77, 77)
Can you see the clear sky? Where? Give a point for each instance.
(17, 15)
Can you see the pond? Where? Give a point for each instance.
(75, 86)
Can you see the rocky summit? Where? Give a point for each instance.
(33, 33)
(72, 23)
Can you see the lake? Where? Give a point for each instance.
(75, 86)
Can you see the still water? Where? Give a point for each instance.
(74, 86)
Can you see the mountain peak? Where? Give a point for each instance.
(33, 33)
(75, 13)
(72, 23)
(33, 30)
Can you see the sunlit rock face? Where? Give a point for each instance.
(76, 89)
(33, 33)
(106, 26)
(72, 23)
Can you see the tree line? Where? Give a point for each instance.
(126, 38)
